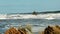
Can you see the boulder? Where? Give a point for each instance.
(52, 30)
(12, 31)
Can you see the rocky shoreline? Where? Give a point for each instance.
(27, 30)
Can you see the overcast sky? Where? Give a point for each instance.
(19, 6)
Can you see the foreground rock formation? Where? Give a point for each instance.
(27, 30)
(12, 30)
(52, 30)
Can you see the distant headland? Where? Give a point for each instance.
(35, 12)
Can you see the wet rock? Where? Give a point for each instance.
(22, 31)
(52, 30)
(12, 31)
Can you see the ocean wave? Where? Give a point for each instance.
(27, 16)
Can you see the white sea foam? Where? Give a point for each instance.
(30, 16)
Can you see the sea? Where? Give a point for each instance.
(37, 24)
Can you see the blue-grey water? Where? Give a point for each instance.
(40, 23)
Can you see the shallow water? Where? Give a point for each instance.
(37, 24)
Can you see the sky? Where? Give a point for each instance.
(23, 6)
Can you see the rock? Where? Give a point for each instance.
(48, 30)
(52, 30)
(20, 30)
(12, 31)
